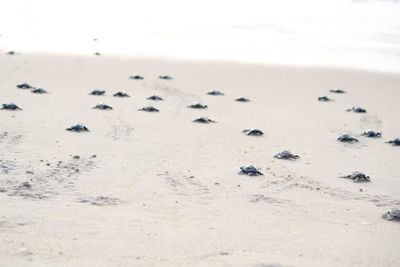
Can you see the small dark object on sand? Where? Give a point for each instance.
(337, 91)
(78, 128)
(393, 215)
(253, 131)
(10, 53)
(136, 77)
(24, 86)
(97, 92)
(197, 106)
(155, 98)
(286, 155)
(26, 184)
(371, 133)
(102, 106)
(242, 99)
(10, 106)
(347, 138)
(250, 170)
(395, 142)
(39, 91)
(203, 120)
(324, 99)
(165, 77)
(357, 177)
(121, 94)
(357, 110)
(97, 54)
(214, 92)
(149, 109)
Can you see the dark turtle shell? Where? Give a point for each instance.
(155, 98)
(97, 54)
(357, 110)
(324, 99)
(39, 91)
(395, 142)
(371, 133)
(393, 215)
(11, 53)
(24, 86)
(286, 155)
(250, 170)
(347, 138)
(197, 106)
(78, 128)
(357, 177)
(253, 132)
(203, 120)
(165, 77)
(149, 109)
(10, 106)
(102, 106)
(214, 92)
(121, 94)
(97, 92)
(136, 77)
(337, 91)
(242, 99)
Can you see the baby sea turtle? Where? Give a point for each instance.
(197, 106)
(10, 106)
(337, 91)
(393, 215)
(149, 109)
(136, 77)
(203, 120)
(371, 133)
(253, 131)
(357, 177)
(121, 94)
(324, 99)
(286, 155)
(242, 99)
(24, 86)
(97, 92)
(347, 138)
(78, 128)
(11, 53)
(395, 142)
(357, 110)
(165, 77)
(214, 92)
(250, 170)
(97, 54)
(39, 91)
(102, 106)
(155, 98)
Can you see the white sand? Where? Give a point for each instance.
(174, 195)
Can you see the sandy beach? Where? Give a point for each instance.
(157, 189)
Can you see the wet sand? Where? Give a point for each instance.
(156, 189)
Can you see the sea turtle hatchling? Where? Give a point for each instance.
(165, 77)
(197, 106)
(10, 106)
(155, 98)
(214, 92)
(250, 170)
(253, 131)
(136, 77)
(395, 142)
(357, 110)
(121, 94)
(371, 133)
(78, 128)
(242, 99)
(324, 99)
(393, 215)
(203, 120)
(24, 86)
(337, 91)
(149, 109)
(102, 106)
(97, 92)
(286, 155)
(39, 91)
(357, 177)
(347, 138)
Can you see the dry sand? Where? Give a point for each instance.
(164, 191)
